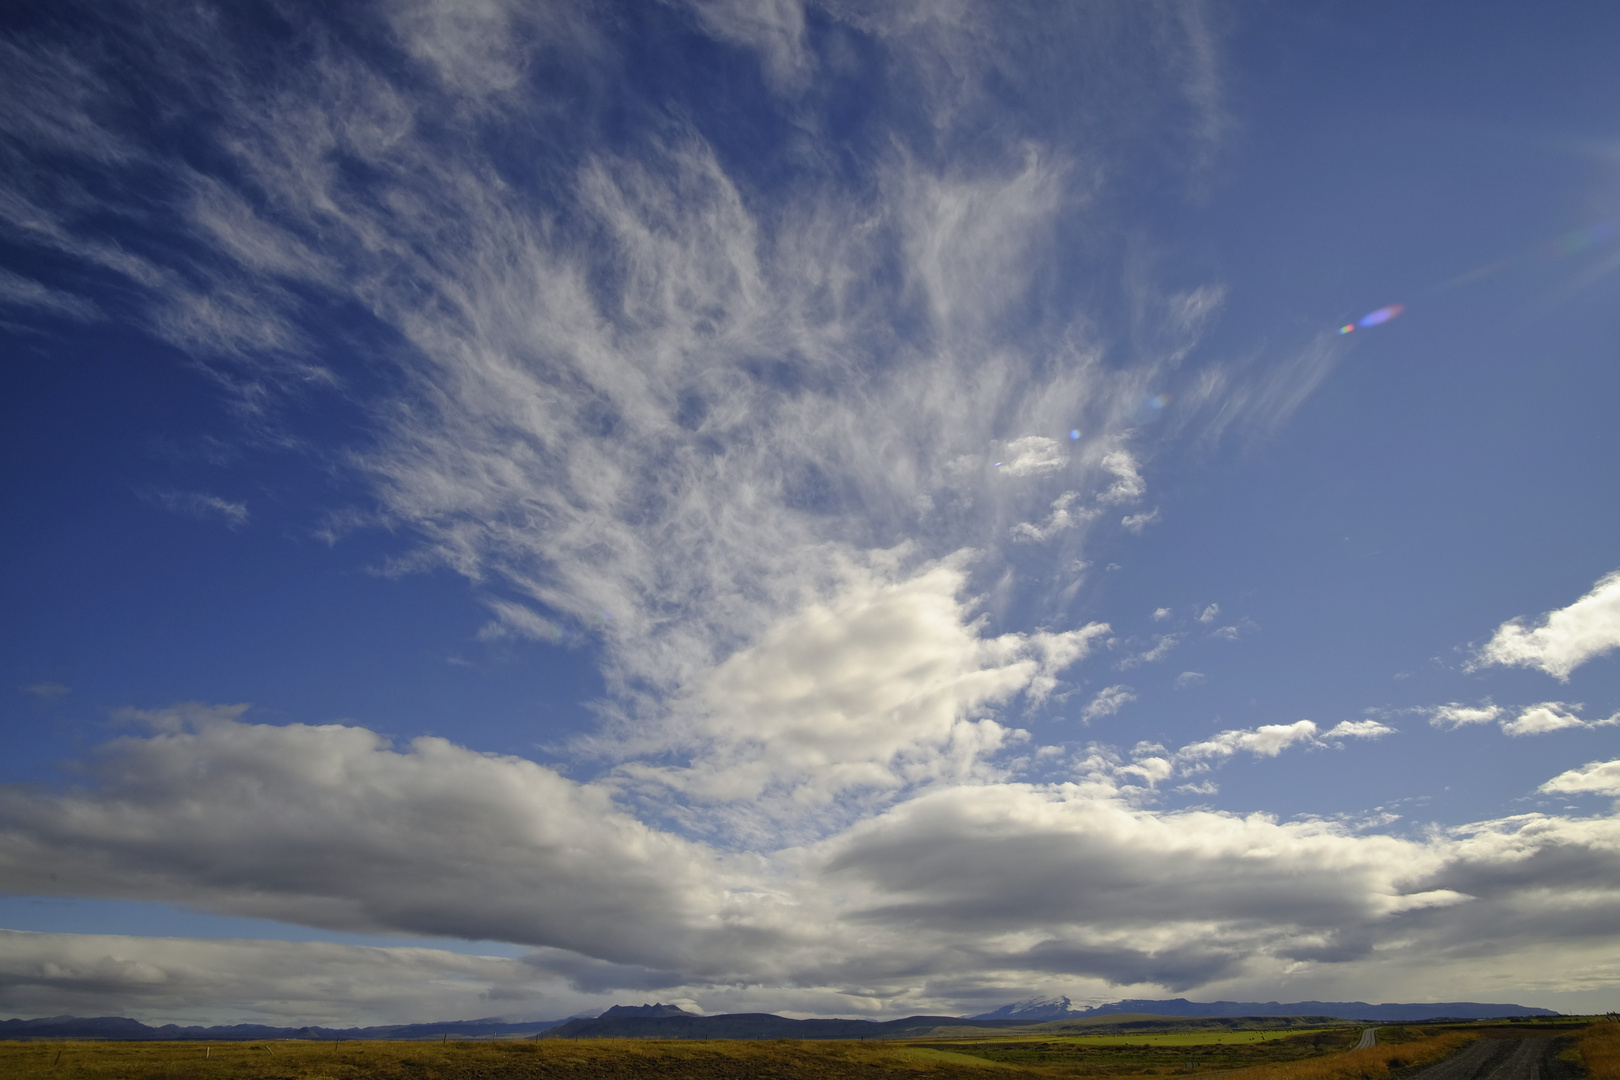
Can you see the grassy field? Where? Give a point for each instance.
(1156, 1054)
(584, 1059)
(1320, 1054)
(1176, 1038)
(1599, 1048)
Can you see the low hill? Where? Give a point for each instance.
(124, 1029)
(771, 1026)
(1037, 1010)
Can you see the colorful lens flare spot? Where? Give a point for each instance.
(1347, 328)
(1381, 316)
(1158, 401)
(1074, 435)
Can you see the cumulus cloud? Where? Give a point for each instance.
(1190, 678)
(1597, 777)
(1160, 614)
(1552, 716)
(1560, 641)
(163, 980)
(330, 826)
(1159, 650)
(1358, 729)
(1454, 715)
(884, 683)
(1267, 740)
(913, 907)
(1210, 614)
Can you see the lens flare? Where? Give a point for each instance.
(1381, 316)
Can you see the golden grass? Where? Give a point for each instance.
(560, 1059)
(658, 1059)
(1599, 1047)
(1375, 1063)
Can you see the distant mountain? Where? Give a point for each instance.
(753, 1026)
(1034, 1010)
(1046, 1009)
(123, 1028)
(660, 1021)
(656, 1009)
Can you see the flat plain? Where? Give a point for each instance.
(1402, 1053)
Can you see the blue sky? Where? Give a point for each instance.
(835, 509)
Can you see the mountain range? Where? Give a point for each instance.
(125, 1029)
(1041, 1010)
(672, 1022)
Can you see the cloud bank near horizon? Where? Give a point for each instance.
(806, 432)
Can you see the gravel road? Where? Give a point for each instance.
(1500, 1059)
(1369, 1037)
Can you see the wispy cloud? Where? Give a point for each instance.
(19, 291)
(1158, 651)
(47, 691)
(200, 506)
(1106, 702)
(748, 429)
(1137, 522)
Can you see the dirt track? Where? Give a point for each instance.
(1503, 1059)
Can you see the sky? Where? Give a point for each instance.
(841, 509)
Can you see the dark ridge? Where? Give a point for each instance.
(123, 1028)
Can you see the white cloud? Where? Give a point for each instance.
(329, 826)
(1160, 649)
(1161, 614)
(1064, 516)
(1032, 455)
(1236, 631)
(518, 620)
(1551, 716)
(884, 683)
(636, 389)
(1358, 729)
(48, 691)
(19, 291)
(1137, 522)
(1210, 614)
(1598, 777)
(1267, 740)
(1128, 485)
(1190, 678)
(1454, 715)
(201, 506)
(1560, 641)
(952, 887)
(773, 28)
(1108, 701)
(167, 980)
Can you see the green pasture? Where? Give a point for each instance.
(1173, 1038)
